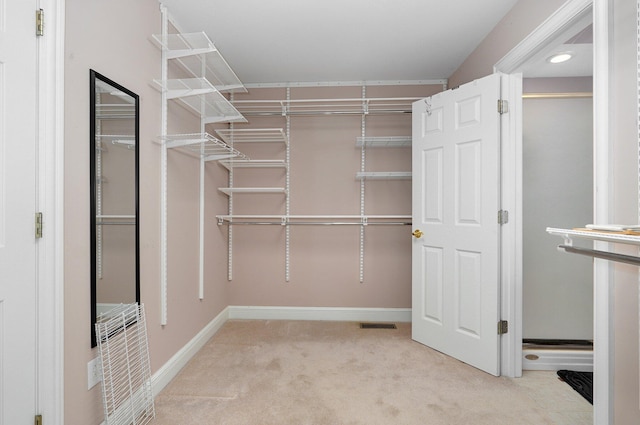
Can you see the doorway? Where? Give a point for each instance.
(565, 23)
(557, 192)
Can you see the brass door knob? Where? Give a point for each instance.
(417, 233)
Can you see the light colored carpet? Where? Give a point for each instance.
(334, 373)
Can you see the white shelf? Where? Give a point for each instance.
(254, 190)
(570, 234)
(253, 135)
(179, 45)
(115, 111)
(202, 97)
(384, 142)
(254, 163)
(198, 55)
(357, 106)
(383, 175)
(202, 145)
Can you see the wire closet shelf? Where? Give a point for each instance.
(202, 145)
(126, 372)
(347, 106)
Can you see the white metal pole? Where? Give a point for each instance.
(288, 193)
(163, 180)
(362, 182)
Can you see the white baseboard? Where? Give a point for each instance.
(543, 359)
(321, 313)
(170, 369)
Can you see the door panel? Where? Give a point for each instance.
(456, 140)
(18, 267)
(433, 265)
(468, 183)
(433, 196)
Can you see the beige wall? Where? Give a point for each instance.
(113, 37)
(324, 260)
(521, 20)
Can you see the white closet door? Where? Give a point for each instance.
(456, 181)
(18, 141)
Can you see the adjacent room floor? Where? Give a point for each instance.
(334, 373)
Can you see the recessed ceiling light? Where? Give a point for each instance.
(560, 57)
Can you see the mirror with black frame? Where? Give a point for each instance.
(114, 171)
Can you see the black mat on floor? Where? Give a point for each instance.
(582, 382)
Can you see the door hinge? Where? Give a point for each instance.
(503, 327)
(38, 420)
(38, 225)
(503, 217)
(503, 106)
(40, 22)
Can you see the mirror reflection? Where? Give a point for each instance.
(115, 277)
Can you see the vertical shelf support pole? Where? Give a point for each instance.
(202, 202)
(230, 228)
(163, 181)
(287, 229)
(201, 224)
(98, 183)
(362, 169)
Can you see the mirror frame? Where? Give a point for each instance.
(93, 76)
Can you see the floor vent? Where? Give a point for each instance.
(378, 326)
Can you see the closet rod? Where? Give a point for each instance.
(315, 223)
(307, 113)
(556, 95)
(115, 223)
(629, 259)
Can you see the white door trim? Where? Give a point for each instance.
(570, 13)
(550, 30)
(511, 232)
(50, 283)
(603, 328)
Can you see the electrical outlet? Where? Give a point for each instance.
(94, 373)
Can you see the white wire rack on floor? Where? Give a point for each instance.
(126, 371)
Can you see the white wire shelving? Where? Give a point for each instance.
(126, 371)
(384, 142)
(346, 106)
(252, 190)
(195, 53)
(115, 111)
(253, 135)
(383, 175)
(202, 97)
(253, 163)
(194, 56)
(120, 140)
(202, 145)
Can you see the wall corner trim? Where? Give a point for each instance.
(170, 369)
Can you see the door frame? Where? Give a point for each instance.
(555, 26)
(50, 201)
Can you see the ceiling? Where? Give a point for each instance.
(287, 41)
